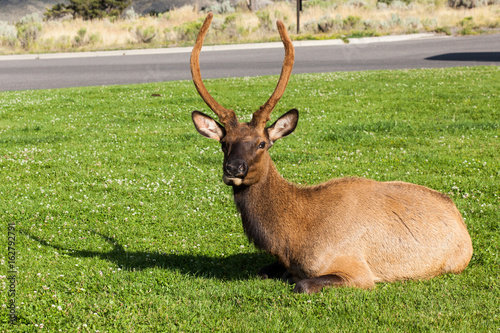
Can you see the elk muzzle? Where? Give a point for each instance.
(235, 171)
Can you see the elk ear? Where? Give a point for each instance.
(285, 125)
(207, 126)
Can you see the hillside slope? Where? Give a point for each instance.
(13, 10)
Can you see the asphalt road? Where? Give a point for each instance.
(58, 71)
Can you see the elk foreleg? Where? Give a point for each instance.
(314, 285)
(345, 271)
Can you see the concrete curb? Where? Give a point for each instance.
(305, 43)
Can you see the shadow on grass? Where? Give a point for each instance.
(232, 267)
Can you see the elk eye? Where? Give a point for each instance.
(262, 145)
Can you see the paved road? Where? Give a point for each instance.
(76, 70)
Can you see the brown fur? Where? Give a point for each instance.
(345, 232)
(352, 231)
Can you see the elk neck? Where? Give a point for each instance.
(269, 210)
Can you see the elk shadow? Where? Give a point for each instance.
(233, 267)
(468, 56)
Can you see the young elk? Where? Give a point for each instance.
(345, 232)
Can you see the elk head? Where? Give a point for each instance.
(245, 145)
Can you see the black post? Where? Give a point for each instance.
(299, 8)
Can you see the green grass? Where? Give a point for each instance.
(123, 223)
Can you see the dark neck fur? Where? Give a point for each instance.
(261, 204)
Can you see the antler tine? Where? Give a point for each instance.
(262, 116)
(225, 116)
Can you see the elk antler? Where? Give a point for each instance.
(262, 116)
(226, 117)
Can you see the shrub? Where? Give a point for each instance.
(393, 22)
(265, 21)
(445, 30)
(320, 3)
(230, 28)
(390, 2)
(189, 31)
(94, 38)
(28, 30)
(327, 24)
(80, 37)
(88, 9)
(469, 3)
(8, 34)
(351, 22)
(221, 8)
(398, 5)
(412, 23)
(357, 3)
(311, 25)
(130, 14)
(63, 42)
(231, 18)
(145, 35)
(468, 26)
(58, 11)
(170, 36)
(371, 24)
(429, 24)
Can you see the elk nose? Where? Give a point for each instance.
(237, 168)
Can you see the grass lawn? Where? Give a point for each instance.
(123, 223)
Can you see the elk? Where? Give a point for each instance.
(345, 232)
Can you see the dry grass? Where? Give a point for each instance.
(428, 16)
(179, 27)
(182, 15)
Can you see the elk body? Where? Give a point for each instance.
(345, 232)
